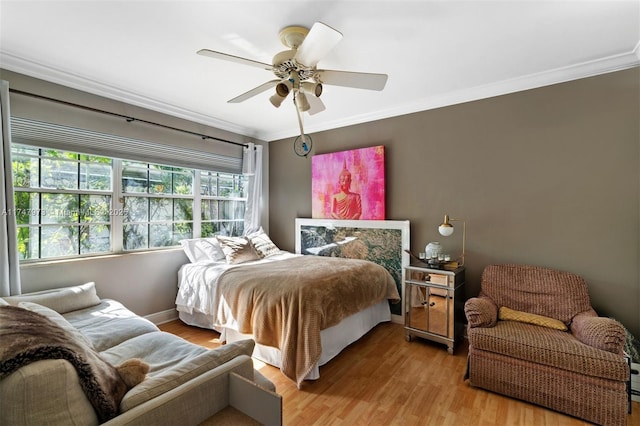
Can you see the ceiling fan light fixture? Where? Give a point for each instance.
(276, 100)
(312, 88)
(301, 102)
(283, 88)
(295, 70)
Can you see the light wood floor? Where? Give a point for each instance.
(384, 380)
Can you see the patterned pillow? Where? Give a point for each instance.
(263, 243)
(238, 249)
(507, 314)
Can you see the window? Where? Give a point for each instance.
(62, 202)
(158, 205)
(72, 204)
(223, 202)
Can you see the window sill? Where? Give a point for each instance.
(97, 258)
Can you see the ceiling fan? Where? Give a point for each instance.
(296, 72)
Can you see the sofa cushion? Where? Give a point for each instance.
(109, 323)
(547, 346)
(58, 319)
(172, 362)
(61, 300)
(507, 314)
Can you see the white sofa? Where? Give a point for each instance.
(185, 384)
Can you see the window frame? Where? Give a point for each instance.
(117, 204)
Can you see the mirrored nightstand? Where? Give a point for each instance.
(434, 304)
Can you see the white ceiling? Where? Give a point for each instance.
(436, 53)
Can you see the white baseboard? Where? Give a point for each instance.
(163, 316)
(397, 319)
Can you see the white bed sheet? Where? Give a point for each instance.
(333, 339)
(197, 285)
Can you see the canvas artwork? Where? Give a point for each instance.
(381, 241)
(348, 185)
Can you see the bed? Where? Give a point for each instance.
(301, 310)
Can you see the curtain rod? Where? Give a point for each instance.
(126, 117)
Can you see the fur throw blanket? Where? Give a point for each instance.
(285, 304)
(28, 337)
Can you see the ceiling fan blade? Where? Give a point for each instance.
(316, 105)
(320, 40)
(231, 58)
(359, 80)
(253, 92)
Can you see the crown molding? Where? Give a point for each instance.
(560, 75)
(532, 81)
(33, 69)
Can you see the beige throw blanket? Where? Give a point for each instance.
(29, 337)
(285, 304)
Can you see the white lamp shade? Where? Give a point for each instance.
(302, 102)
(445, 230)
(276, 100)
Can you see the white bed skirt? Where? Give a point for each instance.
(334, 339)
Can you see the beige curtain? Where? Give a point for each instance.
(9, 261)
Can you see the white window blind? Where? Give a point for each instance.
(33, 132)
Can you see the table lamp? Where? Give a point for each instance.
(446, 229)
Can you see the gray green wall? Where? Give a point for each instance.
(548, 177)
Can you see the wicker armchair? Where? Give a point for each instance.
(581, 371)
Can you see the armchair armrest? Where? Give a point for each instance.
(600, 332)
(481, 312)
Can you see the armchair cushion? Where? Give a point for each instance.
(554, 348)
(541, 291)
(481, 312)
(507, 314)
(600, 332)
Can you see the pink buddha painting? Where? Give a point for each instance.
(349, 184)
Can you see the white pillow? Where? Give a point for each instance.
(202, 249)
(61, 300)
(263, 243)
